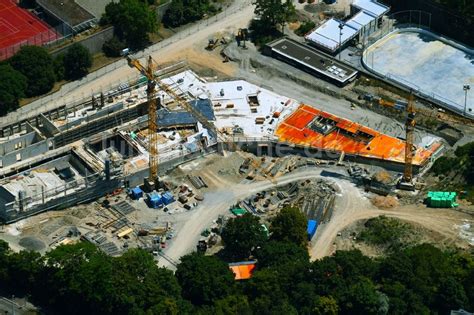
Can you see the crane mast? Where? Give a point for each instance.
(152, 83)
(149, 73)
(410, 123)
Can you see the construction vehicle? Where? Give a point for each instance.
(213, 44)
(242, 36)
(407, 181)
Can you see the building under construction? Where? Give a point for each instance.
(80, 152)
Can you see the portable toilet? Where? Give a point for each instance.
(154, 200)
(136, 193)
(167, 198)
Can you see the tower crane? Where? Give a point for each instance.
(149, 73)
(410, 123)
(152, 83)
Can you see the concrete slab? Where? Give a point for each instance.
(427, 63)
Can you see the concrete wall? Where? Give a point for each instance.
(276, 149)
(25, 153)
(95, 190)
(47, 127)
(18, 143)
(137, 178)
(101, 124)
(93, 43)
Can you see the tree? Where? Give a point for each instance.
(275, 253)
(326, 305)
(132, 21)
(204, 279)
(290, 226)
(181, 12)
(362, 298)
(232, 304)
(59, 67)
(37, 66)
(12, 88)
(451, 295)
(77, 62)
(274, 13)
(268, 297)
(242, 234)
(305, 27)
(113, 47)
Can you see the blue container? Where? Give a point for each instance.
(136, 193)
(311, 230)
(167, 198)
(154, 200)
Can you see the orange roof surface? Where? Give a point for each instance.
(345, 135)
(243, 271)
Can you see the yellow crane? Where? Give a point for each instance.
(153, 81)
(410, 123)
(149, 73)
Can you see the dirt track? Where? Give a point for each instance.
(351, 205)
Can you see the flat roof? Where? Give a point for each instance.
(313, 59)
(242, 104)
(343, 135)
(67, 10)
(371, 6)
(97, 8)
(361, 19)
(327, 35)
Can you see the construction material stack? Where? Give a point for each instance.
(441, 199)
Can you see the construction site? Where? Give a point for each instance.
(160, 161)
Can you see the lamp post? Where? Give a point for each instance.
(341, 26)
(466, 89)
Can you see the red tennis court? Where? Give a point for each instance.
(20, 27)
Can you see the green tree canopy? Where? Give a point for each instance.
(12, 88)
(37, 66)
(204, 279)
(113, 47)
(181, 12)
(276, 253)
(326, 305)
(132, 21)
(274, 13)
(242, 234)
(232, 304)
(290, 226)
(77, 62)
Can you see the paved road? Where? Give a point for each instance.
(237, 15)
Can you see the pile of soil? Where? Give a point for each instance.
(387, 202)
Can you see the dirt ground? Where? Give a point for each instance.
(226, 186)
(418, 234)
(202, 60)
